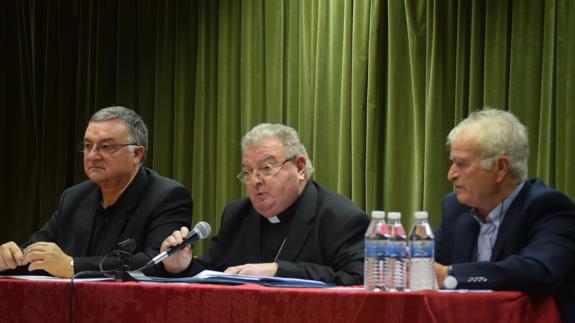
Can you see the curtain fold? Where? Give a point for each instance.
(372, 86)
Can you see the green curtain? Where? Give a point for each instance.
(373, 87)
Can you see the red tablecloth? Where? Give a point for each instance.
(47, 301)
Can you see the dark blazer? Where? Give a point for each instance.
(325, 240)
(534, 251)
(149, 210)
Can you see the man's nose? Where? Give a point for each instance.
(452, 173)
(93, 153)
(255, 178)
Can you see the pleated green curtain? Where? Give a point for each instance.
(373, 87)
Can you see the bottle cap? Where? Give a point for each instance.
(377, 214)
(421, 215)
(394, 215)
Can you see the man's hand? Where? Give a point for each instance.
(441, 273)
(10, 256)
(267, 269)
(49, 257)
(180, 260)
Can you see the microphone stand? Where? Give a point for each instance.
(121, 274)
(124, 253)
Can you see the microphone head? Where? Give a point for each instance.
(203, 229)
(128, 245)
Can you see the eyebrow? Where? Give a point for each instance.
(264, 160)
(268, 158)
(101, 141)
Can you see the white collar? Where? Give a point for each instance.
(274, 219)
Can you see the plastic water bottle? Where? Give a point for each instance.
(396, 256)
(375, 244)
(421, 260)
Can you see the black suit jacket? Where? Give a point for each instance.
(534, 251)
(149, 210)
(325, 240)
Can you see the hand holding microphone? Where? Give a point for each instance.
(176, 244)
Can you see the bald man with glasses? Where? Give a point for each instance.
(121, 200)
(288, 226)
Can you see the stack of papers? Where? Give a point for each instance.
(52, 278)
(210, 276)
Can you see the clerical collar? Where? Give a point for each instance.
(274, 219)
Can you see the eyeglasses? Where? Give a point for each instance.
(86, 147)
(262, 171)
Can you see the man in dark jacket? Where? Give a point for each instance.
(499, 230)
(288, 226)
(121, 200)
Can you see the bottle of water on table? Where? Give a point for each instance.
(375, 245)
(421, 251)
(396, 256)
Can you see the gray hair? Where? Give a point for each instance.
(288, 137)
(501, 134)
(137, 130)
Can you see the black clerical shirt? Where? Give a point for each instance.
(273, 235)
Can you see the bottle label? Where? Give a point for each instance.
(396, 249)
(421, 249)
(374, 248)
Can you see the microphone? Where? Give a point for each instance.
(128, 245)
(201, 231)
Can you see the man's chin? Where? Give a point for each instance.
(96, 177)
(268, 212)
(462, 199)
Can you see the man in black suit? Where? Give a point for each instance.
(288, 226)
(121, 200)
(500, 230)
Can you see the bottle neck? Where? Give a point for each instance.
(420, 221)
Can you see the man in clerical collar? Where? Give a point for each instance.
(121, 200)
(288, 226)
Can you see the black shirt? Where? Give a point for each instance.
(273, 235)
(101, 228)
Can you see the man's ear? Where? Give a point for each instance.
(502, 165)
(301, 164)
(138, 154)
